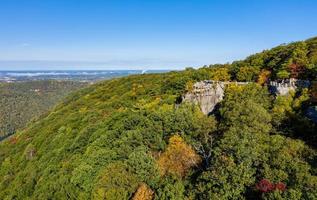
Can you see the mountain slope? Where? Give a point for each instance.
(129, 136)
(21, 102)
(294, 60)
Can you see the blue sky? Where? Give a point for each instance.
(145, 34)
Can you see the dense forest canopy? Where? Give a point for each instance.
(132, 138)
(295, 60)
(20, 102)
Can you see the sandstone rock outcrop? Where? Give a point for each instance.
(283, 87)
(207, 94)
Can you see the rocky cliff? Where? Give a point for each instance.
(283, 87)
(207, 94)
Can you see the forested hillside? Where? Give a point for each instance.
(294, 60)
(133, 138)
(21, 102)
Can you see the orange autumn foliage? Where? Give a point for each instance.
(13, 140)
(178, 157)
(263, 76)
(143, 192)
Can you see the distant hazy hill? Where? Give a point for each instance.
(132, 138)
(22, 102)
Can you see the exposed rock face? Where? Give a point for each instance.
(283, 87)
(207, 94)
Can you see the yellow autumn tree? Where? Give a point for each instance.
(143, 192)
(220, 74)
(263, 76)
(178, 157)
(189, 86)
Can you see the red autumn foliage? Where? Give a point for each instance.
(280, 186)
(296, 70)
(265, 186)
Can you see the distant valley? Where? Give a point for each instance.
(26, 95)
(22, 102)
(73, 75)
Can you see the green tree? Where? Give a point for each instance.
(143, 166)
(115, 183)
(248, 74)
(171, 189)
